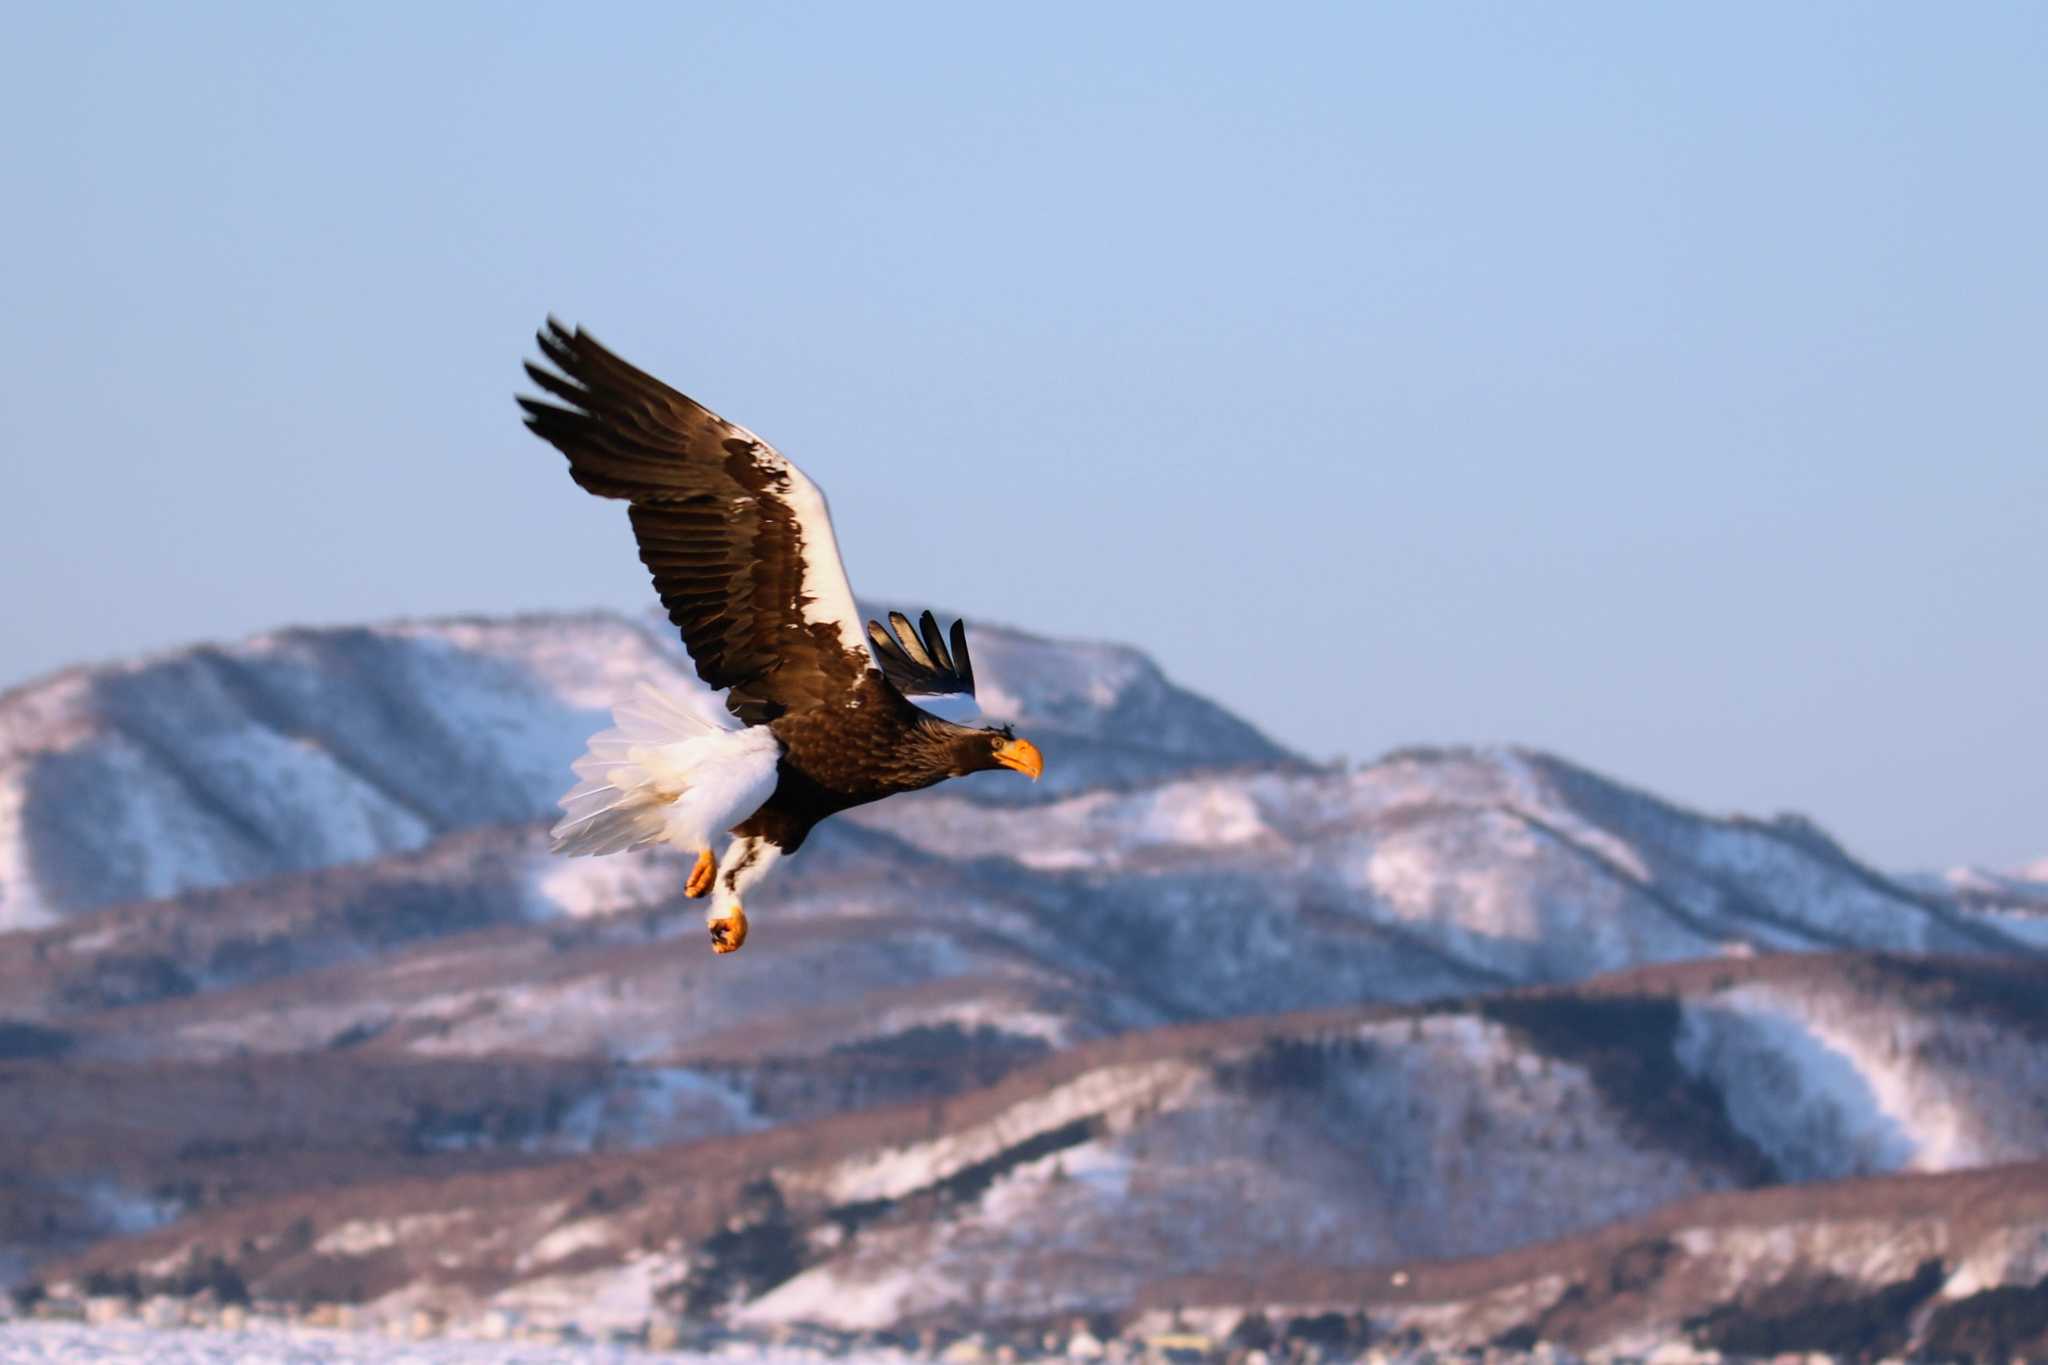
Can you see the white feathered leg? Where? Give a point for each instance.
(747, 860)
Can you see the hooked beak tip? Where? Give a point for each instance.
(1021, 755)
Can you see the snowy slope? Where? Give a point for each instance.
(1194, 896)
(2016, 903)
(1830, 1081)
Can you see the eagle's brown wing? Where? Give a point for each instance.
(739, 542)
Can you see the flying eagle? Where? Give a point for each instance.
(817, 716)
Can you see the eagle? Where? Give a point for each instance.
(818, 715)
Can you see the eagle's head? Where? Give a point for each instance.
(997, 746)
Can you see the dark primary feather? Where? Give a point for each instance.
(922, 666)
(715, 530)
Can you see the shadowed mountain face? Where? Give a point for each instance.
(286, 932)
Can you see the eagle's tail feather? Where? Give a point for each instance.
(652, 716)
(668, 771)
(600, 817)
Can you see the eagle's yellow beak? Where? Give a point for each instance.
(1022, 755)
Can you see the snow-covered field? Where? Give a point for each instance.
(33, 1343)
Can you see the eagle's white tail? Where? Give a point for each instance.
(679, 770)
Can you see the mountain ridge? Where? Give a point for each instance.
(962, 1186)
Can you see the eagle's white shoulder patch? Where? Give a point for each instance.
(828, 596)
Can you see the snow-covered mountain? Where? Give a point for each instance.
(309, 748)
(285, 932)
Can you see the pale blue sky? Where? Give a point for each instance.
(1659, 386)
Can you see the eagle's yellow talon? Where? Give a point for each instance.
(728, 929)
(702, 875)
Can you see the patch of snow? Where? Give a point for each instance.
(1056, 859)
(2003, 1256)
(845, 1297)
(1806, 1096)
(566, 1241)
(1104, 1168)
(1114, 1093)
(21, 906)
(586, 888)
(618, 1296)
(1531, 793)
(986, 1012)
(361, 1235)
(1827, 1088)
(1208, 814)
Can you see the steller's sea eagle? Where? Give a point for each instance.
(817, 714)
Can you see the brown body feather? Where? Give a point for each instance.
(838, 757)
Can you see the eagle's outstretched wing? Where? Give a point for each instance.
(918, 664)
(739, 542)
(918, 661)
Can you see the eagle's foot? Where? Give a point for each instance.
(728, 929)
(702, 875)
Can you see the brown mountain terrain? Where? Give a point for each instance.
(1938, 1267)
(1163, 1167)
(284, 1013)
